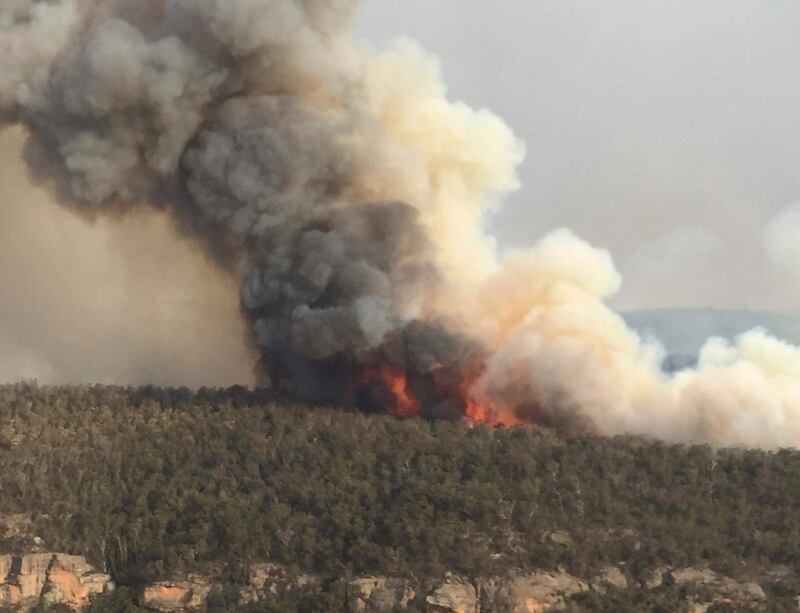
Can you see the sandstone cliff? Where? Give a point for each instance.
(49, 579)
(535, 592)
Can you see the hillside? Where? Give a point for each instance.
(155, 484)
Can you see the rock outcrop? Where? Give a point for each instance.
(379, 595)
(455, 595)
(49, 579)
(176, 595)
(536, 592)
(539, 592)
(718, 589)
(611, 576)
(265, 582)
(531, 593)
(655, 578)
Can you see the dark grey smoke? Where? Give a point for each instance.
(331, 286)
(237, 116)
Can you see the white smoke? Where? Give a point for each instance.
(565, 357)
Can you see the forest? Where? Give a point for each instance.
(151, 483)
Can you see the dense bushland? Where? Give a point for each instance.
(151, 482)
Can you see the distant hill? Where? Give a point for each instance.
(683, 331)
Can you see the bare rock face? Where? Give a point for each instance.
(31, 575)
(655, 578)
(719, 589)
(529, 593)
(455, 595)
(71, 581)
(49, 579)
(610, 576)
(379, 595)
(10, 594)
(176, 595)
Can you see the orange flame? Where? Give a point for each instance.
(490, 413)
(403, 402)
(487, 412)
(395, 381)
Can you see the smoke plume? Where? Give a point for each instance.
(347, 195)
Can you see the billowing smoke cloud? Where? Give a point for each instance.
(347, 195)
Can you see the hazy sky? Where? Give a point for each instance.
(116, 301)
(665, 131)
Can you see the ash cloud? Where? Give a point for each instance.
(346, 194)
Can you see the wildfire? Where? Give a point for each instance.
(477, 413)
(394, 381)
(492, 414)
(392, 392)
(484, 412)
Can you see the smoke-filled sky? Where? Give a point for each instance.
(259, 177)
(115, 301)
(665, 131)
